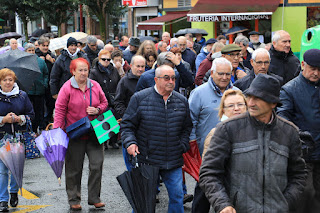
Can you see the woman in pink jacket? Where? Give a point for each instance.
(73, 104)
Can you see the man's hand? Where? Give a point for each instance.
(173, 58)
(49, 58)
(55, 96)
(133, 149)
(240, 74)
(228, 209)
(118, 65)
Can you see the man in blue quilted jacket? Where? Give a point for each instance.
(156, 126)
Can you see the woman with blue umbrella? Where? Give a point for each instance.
(14, 106)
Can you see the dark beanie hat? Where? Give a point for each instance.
(311, 57)
(71, 40)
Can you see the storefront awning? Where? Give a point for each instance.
(232, 10)
(158, 22)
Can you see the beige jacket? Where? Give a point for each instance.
(207, 141)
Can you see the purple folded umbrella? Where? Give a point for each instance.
(53, 145)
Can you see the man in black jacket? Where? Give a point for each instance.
(283, 62)
(92, 50)
(254, 161)
(127, 85)
(260, 62)
(61, 69)
(49, 58)
(157, 126)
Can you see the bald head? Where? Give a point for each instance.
(166, 37)
(109, 47)
(182, 43)
(13, 44)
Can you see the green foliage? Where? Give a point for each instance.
(56, 11)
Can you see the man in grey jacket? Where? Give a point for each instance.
(254, 160)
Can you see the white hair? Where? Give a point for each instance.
(243, 39)
(259, 50)
(160, 68)
(277, 35)
(220, 61)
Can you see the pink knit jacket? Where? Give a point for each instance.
(72, 103)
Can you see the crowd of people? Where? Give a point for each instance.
(246, 104)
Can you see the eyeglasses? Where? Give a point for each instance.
(232, 106)
(260, 63)
(167, 78)
(224, 73)
(233, 55)
(106, 59)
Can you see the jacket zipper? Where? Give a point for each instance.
(165, 103)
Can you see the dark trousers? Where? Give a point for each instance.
(76, 151)
(309, 201)
(38, 107)
(200, 202)
(50, 104)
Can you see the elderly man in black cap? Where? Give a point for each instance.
(301, 105)
(254, 161)
(60, 72)
(254, 40)
(134, 44)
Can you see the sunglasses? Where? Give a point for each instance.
(106, 59)
(167, 78)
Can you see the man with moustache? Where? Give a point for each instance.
(283, 62)
(163, 142)
(260, 62)
(254, 161)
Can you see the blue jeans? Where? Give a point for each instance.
(4, 178)
(173, 179)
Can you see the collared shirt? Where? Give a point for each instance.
(155, 88)
(217, 89)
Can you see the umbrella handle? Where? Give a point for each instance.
(136, 160)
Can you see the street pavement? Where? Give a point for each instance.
(42, 192)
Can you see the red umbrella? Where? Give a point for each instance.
(192, 160)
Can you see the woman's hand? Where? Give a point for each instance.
(92, 110)
(11, 118)
(118, 65)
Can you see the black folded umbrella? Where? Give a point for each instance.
(193, 31)
(24, 65)
(140, 187)
(9, 35)
(39, 32)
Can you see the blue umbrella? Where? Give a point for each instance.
(237, 29)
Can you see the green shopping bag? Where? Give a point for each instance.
(105, 126)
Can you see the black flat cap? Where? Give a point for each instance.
(265, 87)
(211, 41)
(254, 33)
(312, 57)
(134, 41)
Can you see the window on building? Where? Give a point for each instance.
(313, 16)
(184, 3)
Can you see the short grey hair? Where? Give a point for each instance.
(277, 35)
(173, 40)
(258, 51)
(133, 59)
(220, 61)
(160, 68)
(43, 39)
(162, 59)
(92, 39)
(28, 45)
(243, 39)
(160, 44)
(217, 45)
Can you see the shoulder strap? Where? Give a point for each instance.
(90, 94)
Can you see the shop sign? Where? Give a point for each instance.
(213, 18)
(135, 3)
